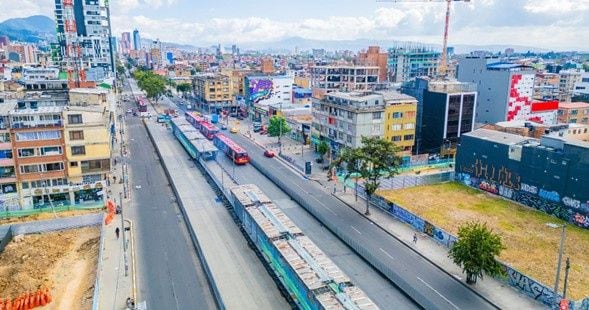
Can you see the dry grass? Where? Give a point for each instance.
(531, 246)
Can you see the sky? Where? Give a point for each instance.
(549, 24)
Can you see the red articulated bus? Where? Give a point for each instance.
(142, 105)
(200, 123)
(231, 149)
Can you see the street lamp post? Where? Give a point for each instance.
(559, 263)
(280, 132)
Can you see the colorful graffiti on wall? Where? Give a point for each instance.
(551, 202)
(260, 89)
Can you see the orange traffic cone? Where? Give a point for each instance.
(35, 300)
(1, 304)
(8, 305)
(49, 299)
(42, 299)
(16, 304)
(25, 304)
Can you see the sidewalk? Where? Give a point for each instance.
(500, 293)
(115, 287)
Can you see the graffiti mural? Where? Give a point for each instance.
(407, 217)
(530, 286)
(566, 208)
(260, 89)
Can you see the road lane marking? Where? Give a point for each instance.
(387, 253)
(433, 289)
(354, 228)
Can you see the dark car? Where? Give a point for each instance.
(269, 153)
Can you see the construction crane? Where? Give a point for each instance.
(72, 49)
(444, 61)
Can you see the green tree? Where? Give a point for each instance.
(277, 126)
(375, 160)
(152, 84)
(184, 88)
(476, 251)
(322, 149)
(120, 69)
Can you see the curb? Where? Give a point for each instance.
(414, 250)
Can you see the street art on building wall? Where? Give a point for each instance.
(260, 89)
(551, 202)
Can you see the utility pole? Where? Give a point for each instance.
(566, 277)
(280, 132)
(562, 237)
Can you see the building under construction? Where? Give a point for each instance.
(410, 61)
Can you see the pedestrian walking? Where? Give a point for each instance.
(114, 178)
(415, 238)
(117, 232)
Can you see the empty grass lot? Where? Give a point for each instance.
(531, 246)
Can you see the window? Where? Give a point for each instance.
(409, 126)
(396, 138)
(408, 137)
(77, 135)
(50, 150)
(53, 166)
(74, 119)
(350, 115)
(95, 165)
(410, 114)
(4, 137)
(397, 126)
(73, 164)
(28, 152)
(376, 115)
(397, 114)
(5, 154)
(8, 188)
(78, 150)
(29, 169)
(38, 135)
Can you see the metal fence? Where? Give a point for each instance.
(47, 208)
(5, 236)
(99, 266)
(56, 224)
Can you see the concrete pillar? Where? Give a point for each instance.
(72, 197)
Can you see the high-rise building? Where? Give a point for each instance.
(125, 43)
(4, 41)
(568, 80)
(445, 111)
(373, 57)
(327, 79)
(343, 118)
(413, 61)
(581, 92)
(505, 91)
(83, 31)
(136, 40)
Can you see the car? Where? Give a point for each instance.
(223, 127)
(130, 111)
(233, 130)
(269, 153)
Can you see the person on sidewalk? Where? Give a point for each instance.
(117, 232)
(415, 238)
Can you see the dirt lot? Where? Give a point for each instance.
(532, 247)
(46, 216)
(63, 261)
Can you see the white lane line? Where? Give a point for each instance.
(318, 201)
(354, 228)
(443, 297)
(387, 253)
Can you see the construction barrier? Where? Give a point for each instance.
(26, 301)
(111, 207)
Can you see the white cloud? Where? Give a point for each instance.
(556, 6)
(25, 8)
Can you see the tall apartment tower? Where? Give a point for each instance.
(505, 91)
(373, 57)
(83, 31)
(136, 40)
(125, 43)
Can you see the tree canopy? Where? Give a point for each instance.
(476, 251)
(184, 88)
(322, 148)
(275, 124)
(375, 160)
(152, 84)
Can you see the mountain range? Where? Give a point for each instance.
(29, 29)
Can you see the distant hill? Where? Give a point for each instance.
(29, 29)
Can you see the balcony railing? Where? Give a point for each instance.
(36, 124)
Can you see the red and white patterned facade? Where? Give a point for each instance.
(522, 108)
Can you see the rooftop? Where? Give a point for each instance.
(506, 66)
(497, 136)
(40, 110)
(97, 91)
(573, 105)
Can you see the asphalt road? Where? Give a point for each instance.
(377, 287)
(431, 285)
(169, 273)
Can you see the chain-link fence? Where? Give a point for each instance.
(47, 208)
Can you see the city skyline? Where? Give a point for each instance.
(548, 24)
